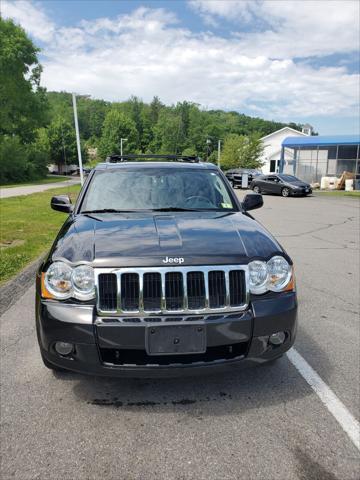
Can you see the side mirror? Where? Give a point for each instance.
(252, 201)
(62, 203)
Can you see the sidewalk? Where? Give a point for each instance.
(28, 189)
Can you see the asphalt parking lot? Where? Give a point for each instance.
(262, 423)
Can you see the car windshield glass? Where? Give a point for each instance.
(288, 178)
(155, 189)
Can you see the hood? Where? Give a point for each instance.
(114, 240)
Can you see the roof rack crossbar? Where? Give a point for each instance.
(116, 158)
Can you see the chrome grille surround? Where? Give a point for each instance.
(184, 271)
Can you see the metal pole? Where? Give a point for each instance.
(219, 153)
(78, 139)
(121, 145)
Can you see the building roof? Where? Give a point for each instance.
(321, 140)
(282, 129)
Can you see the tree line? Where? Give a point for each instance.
(37, 128)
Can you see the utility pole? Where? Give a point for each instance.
(78, 139)
(121, 145)
(208, 143)
(219, 152)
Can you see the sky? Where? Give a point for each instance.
(282, 60)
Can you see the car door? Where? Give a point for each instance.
(277, 185)
(269, 184)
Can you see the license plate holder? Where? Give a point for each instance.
(176, 339)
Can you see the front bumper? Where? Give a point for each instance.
(301, 193)
(112, 349)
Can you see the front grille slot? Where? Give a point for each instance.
(107, 291)
(130, 292)
(237, 290)
(174, 291)
(217, 289)
(196, 290)
(152, 292)
(171, 290)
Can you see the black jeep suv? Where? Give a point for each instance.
(160, 270)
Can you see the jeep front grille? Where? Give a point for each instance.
(107, 288)
(171, 289)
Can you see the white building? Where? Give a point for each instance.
(272, 147)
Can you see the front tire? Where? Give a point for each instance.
(285, 192)
(256, 189)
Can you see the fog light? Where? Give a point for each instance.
(277, 338)
(64, 348)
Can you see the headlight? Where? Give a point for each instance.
(274, 275)
(83, 279)
(258, 276)
(62, 281)
(58, 280)
(279, 273)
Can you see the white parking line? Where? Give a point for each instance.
(350, 425)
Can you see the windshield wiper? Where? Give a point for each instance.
(106, 210)
(163, 209)
(175, 209)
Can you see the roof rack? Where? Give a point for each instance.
(116, 158)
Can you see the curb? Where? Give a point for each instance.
(16, 287)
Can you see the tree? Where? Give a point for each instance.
(117, 126)
(155, 107)
(13, 160)
(39, 154)
(242, 152)
(167, 133)
(20, 162)
(62, 143)
(91, 116)
(23, 105)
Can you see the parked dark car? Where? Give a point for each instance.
(159, 270)
(280, 184)
(235, 176)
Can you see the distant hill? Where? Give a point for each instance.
(162, 128)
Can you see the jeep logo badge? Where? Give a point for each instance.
(178, 260)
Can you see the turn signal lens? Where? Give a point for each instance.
(44, 291)
(292, 283)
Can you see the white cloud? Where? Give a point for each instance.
(31, 18)
(147, 53)
(288, 29)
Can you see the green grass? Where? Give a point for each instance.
(27, 228)
(41, 181)
(338, 193)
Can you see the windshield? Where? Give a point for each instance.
(156, 189)
(288, 178)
